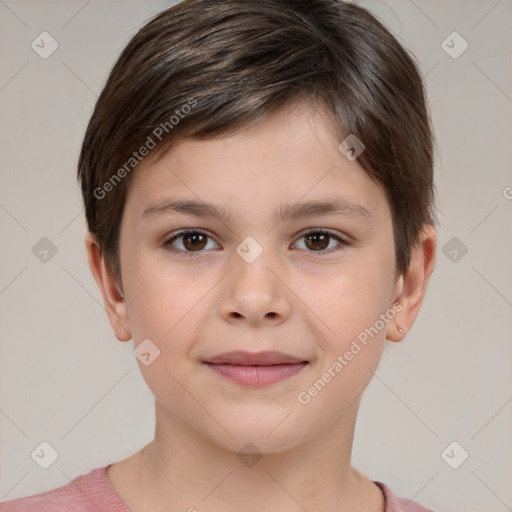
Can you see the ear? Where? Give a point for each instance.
(412, 285)
(113, 298)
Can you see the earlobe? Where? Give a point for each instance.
(113, 297)
(414, 284)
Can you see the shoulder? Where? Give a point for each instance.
(86, 493)
(396, 504)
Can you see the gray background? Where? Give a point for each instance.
(64, 377)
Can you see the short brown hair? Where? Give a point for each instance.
(204, 68)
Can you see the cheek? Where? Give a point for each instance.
(167, 311)
(166, 315)
(350, 349)
(350, 298)
(162, 297)
(353, 306)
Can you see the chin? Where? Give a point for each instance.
(262, 429)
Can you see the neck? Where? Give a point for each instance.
(182, 470)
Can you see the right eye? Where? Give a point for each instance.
(193, 241)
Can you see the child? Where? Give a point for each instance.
(289, 141)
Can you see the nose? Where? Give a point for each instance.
(255, 292)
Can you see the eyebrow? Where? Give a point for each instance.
(337, 206)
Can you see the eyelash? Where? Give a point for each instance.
(342, 242)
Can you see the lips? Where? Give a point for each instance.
(256, 369)
(242, 358)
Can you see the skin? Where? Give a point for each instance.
(194, 307)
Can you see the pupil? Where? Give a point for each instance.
(194, 238)
(319, 240)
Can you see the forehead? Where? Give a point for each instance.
(291, 156)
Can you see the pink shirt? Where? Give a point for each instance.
(93, 493)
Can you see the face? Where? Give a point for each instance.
(268, 274)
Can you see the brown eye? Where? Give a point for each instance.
(191, 242)
(319, 241)
(194, 241)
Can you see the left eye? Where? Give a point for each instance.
(318, 241)
(194, 241)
